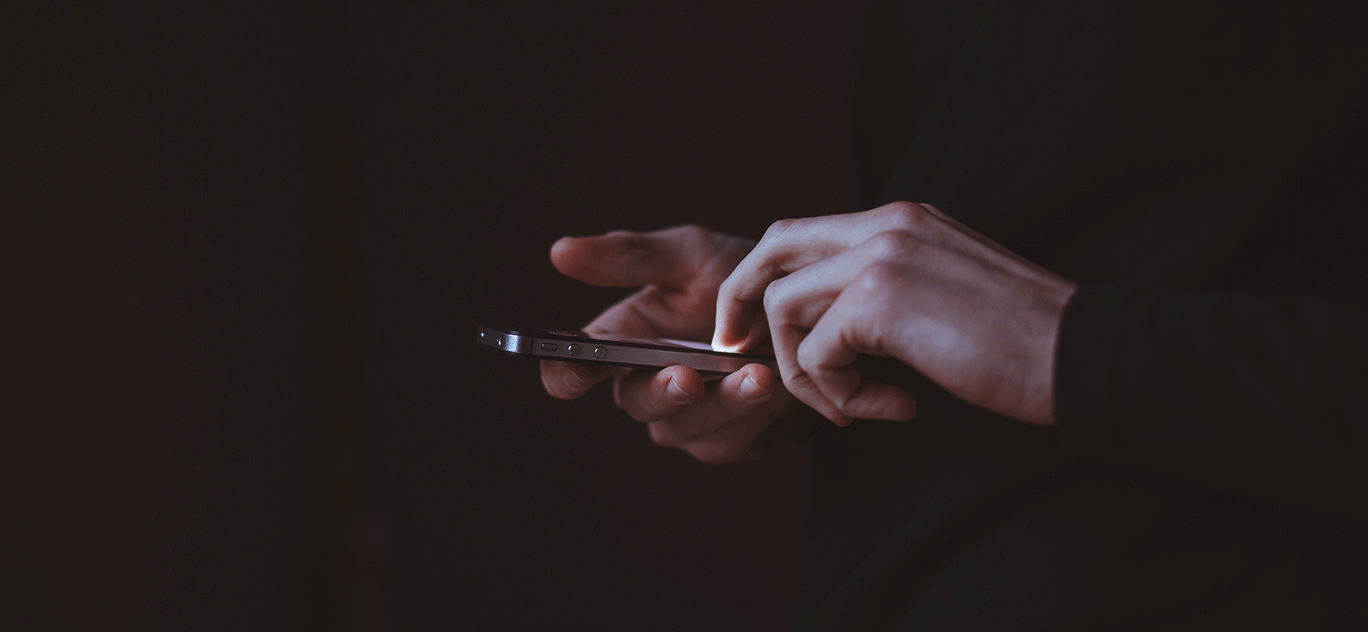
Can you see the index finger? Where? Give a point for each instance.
(668, 258)
(787, 246)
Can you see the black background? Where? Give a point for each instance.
(249, 246)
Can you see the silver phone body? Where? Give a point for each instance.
(616, 350)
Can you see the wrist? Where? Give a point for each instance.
(1055, 300)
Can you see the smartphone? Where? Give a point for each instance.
(576, 346)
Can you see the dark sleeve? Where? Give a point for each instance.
(1259, 396)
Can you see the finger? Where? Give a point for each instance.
(801, 298)
(668, 258)
(827, 355)
(651, 395)
(786, 340)
(638, 315)
(750, 315)
(738, 439)
(570, 380)
(797, 302)
(651, 312)
(790, 245)
(730, 398)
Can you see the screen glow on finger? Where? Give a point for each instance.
(718, 345)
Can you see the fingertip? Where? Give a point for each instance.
(724, 331)
(723, 343)
(683, 384)
(563, 380)
(752, 384)
(836, 413)
(551, 380)
(562, 253)
(732, 318)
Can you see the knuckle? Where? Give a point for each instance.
(631, 248)
(892, 242)
(905, 215)
(631, 240)
(846, 405)
(774, 298)
(694, 234)
(777, 229)
(877, 279)
(809, 360)
(727, 288)
(933, 211)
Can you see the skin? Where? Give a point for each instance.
(679, 271)
(907, 281)
(903, 280)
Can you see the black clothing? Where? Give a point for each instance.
(1203, 173)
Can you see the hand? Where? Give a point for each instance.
(903, 280)
(680, 269)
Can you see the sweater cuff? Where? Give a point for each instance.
(1086, 347)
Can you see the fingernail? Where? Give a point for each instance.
(572, 380)
(677, 394)
(751, 390)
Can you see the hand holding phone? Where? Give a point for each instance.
(678, 271)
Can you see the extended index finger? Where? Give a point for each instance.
(668, 258)
(787, 246)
